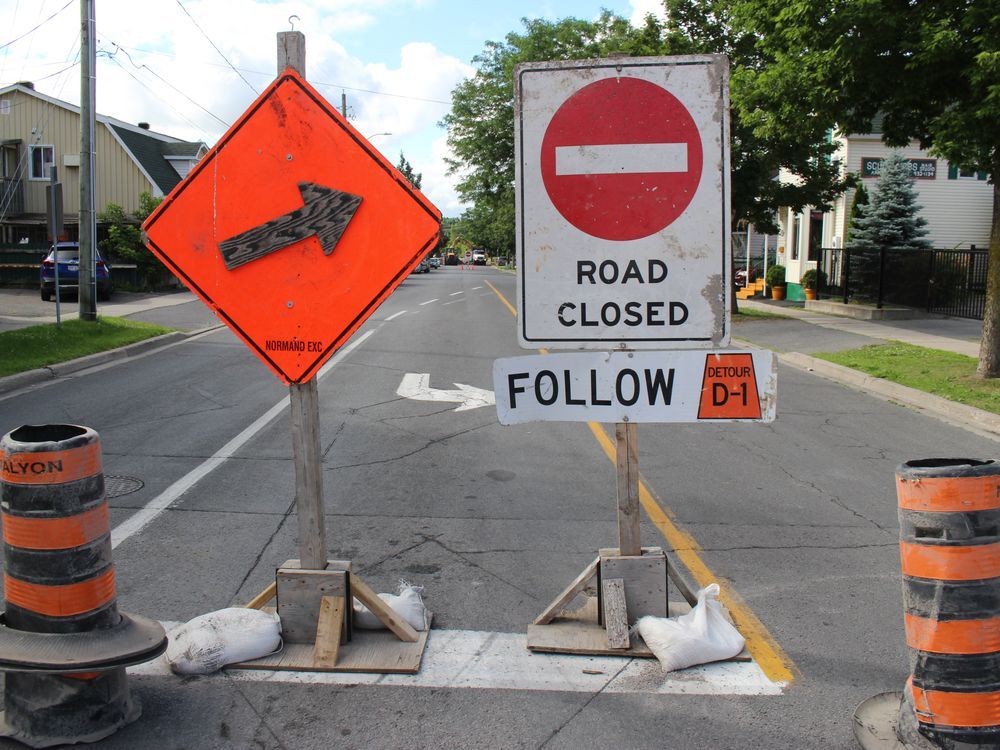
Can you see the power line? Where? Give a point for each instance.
(145, 86)
(118, 48)
(216, 48)
(32, 31)
(312, 82)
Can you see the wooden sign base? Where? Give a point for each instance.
(316, 608)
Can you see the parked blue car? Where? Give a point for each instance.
(69, 272)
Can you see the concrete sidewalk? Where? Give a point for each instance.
(805, 333)
(959, 335)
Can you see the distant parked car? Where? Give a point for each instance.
(67, 254)
(435, 262)
(422, 267)
(479, 257)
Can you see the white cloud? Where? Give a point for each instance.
(642, 8)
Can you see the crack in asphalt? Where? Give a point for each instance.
(581, 709)
(430, 442)
(264, 547)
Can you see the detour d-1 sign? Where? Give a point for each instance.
(678, 386)
(623, 203)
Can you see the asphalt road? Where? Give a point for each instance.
(796, 519)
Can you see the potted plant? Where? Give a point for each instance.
(811, 281)
(776, 281)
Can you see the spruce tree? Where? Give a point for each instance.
(892, 219)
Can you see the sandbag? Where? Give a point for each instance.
(702, 635)
(407, 603)
(227, 636)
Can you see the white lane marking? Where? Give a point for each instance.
(395, 315)
(501, 661)
(621, 158)
(428, 301)
(417, 386)
(453, 294)
(476, 287)
(135, 523)
(453, 302)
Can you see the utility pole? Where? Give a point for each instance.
(88, 220)
(343, 104)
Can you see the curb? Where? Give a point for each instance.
(62, 369)
(960, 415)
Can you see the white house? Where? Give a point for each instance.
(958, 207)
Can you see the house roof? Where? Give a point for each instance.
(153, 153)
(150, 150)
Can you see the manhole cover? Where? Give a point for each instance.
(116, 486)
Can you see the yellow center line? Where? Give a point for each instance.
(770, 657)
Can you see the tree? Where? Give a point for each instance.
(892, 220)
(930, 70)
(124, 241)
(858, 205)
(481, 122)
(414, 178)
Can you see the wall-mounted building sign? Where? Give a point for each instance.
(920, 169)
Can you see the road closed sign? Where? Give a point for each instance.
(623, 203)
(668, 386)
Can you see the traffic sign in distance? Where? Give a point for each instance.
(293, 229)
(669, 386)
(623, 203)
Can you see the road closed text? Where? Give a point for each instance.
(620, 311)
(679, 386)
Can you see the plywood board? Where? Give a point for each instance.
(376, 651)
(645, 580)
(578, 632)
(299, 593)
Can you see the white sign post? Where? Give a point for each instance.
(623, 203)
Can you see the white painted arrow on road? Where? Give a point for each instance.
(417, 385)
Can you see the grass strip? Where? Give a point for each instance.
(39, 346)
(946, 374)
(747, 313)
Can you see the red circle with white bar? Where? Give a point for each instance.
(621, 159)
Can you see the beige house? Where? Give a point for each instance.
(39, 131)
(958, 207)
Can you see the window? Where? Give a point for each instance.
(4, 106)
(42, 157)
(957, 173)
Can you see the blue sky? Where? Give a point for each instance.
(191, 67)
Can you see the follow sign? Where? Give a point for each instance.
(728, 385)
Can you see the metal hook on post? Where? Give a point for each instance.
(292, 23)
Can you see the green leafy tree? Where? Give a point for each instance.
(481, 122)
(931, 70)
(414, 178)
(124, 241)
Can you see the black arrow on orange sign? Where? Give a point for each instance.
(325, 212)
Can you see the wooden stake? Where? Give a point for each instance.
(615, 612)
(627, 455)
(328, 630)
(308, 474)
(386, 614)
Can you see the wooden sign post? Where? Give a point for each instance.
(329, 192)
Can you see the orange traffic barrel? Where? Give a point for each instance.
(59, 581)
(949, 519)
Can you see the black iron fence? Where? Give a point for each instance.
(950, 282)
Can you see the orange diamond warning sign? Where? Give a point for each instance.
(729, 388)
(293, 229)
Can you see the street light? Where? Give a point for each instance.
(376, 135)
